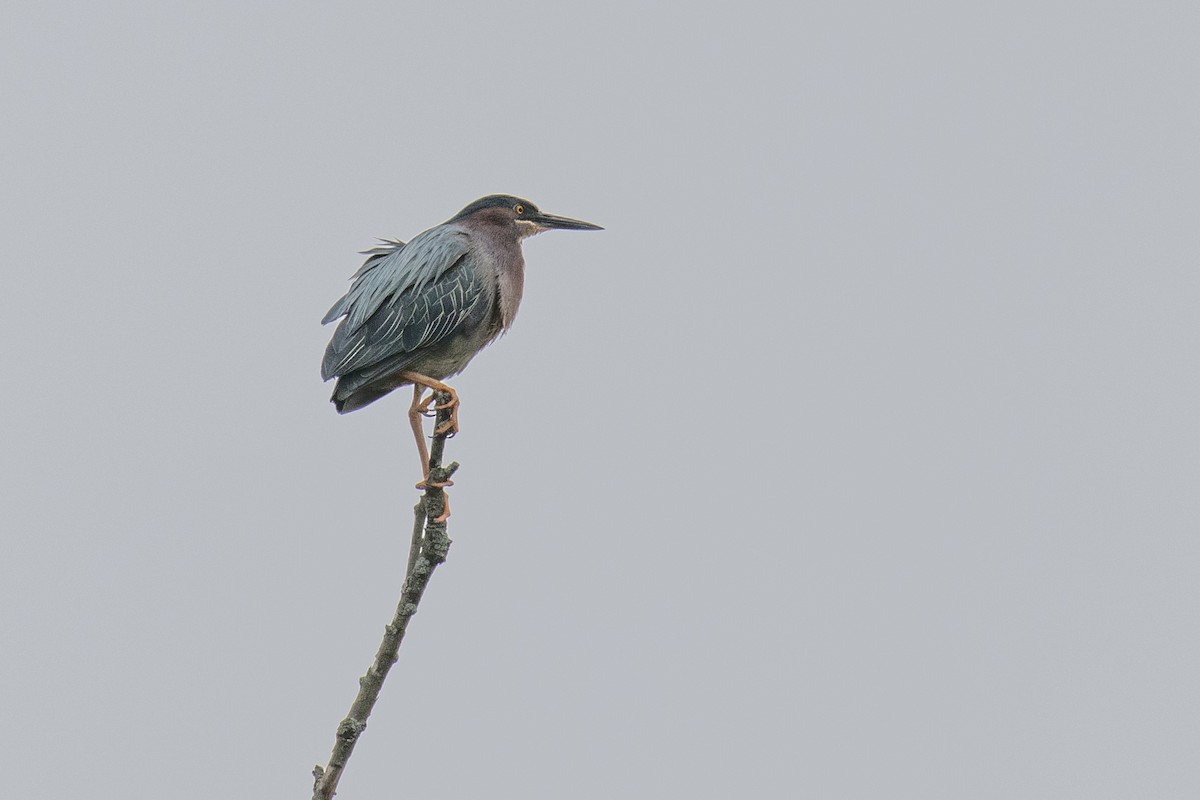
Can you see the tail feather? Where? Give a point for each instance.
(363, 387)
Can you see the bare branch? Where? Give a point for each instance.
(430, 544)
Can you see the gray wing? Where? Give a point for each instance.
(395, 268)
(375, 257)
(402, 300)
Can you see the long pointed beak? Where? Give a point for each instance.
(564, 223)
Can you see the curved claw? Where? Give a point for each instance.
(450, 426)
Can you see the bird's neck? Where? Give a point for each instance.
(507, 264)
(510, 282)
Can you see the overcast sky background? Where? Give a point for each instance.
(857, 458)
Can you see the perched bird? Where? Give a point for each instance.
(417, 313)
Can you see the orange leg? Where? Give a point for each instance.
(415, 411)
(414, 418)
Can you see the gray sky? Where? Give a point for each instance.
(858, 458)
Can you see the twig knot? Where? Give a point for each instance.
(349, 729)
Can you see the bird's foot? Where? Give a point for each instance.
(431, 409)
(426, 484)
(445, 515)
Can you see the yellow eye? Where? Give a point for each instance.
(520, 209)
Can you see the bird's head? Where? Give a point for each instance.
(526, 218)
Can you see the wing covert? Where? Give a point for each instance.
(396, 268)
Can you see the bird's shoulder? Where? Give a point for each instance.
(395, 270)
(423, 259)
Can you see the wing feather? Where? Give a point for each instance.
(409, 299)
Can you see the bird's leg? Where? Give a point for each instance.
(417, 379)
(415, 412)
(414, 418)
